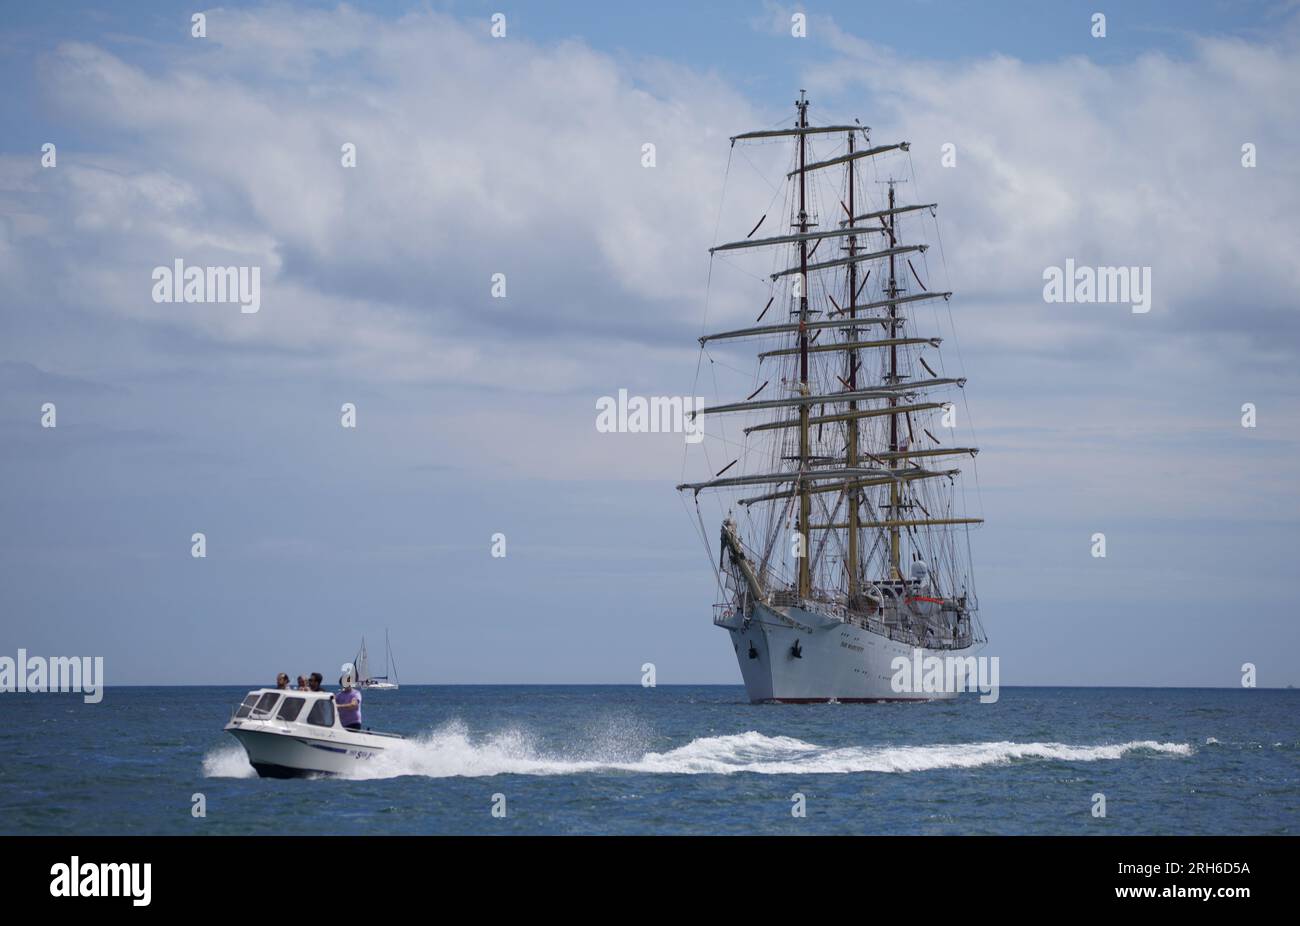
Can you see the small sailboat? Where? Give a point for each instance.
(368, 682)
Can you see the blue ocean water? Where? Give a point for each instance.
(673, 759)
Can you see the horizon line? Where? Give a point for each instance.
(662, 685)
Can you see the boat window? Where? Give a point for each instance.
(322, 713)
(290, 709)
(246, 706)
(268, 701)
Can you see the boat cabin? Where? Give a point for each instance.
(314, 708)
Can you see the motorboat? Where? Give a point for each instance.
(289, 734)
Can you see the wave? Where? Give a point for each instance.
(450, 752)
(228, 762)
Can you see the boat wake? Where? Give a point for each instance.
(450, 751)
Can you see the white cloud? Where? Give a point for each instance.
(1134, 164)
(479, 156)
(475, 156)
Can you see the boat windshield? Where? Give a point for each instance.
(268, 701)
(322, 713)
(247, 706)
(290, 709)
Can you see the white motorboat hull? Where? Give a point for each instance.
(283, 753)
(290, 749)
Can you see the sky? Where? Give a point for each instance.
(522, 155)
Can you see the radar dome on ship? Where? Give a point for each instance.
(919, 570)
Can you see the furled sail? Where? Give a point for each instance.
(794, 239)
(869, 153)
(838, 323)
(852, 259)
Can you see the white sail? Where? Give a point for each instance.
(387, 681)
(362, 664)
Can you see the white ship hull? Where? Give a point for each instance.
(837, 661)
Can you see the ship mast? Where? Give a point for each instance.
(805, 501)
(851, 454)
(872, 462)
(894, 460)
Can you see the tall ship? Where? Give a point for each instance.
(844, 527)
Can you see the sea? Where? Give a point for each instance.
(586, 759)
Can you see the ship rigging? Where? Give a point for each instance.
(855, 542)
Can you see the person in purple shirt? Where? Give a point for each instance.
(348, 702)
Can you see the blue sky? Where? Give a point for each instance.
(710, 37)
(521, 155)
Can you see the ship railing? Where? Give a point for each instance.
(834, 608)
(885, 629)
(785, 598)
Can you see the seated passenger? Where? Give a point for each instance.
(314, 683)
(348, 702)
(302, 683)
(282, 681)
